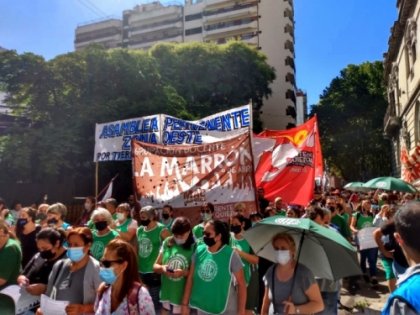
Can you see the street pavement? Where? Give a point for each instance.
(371, 298)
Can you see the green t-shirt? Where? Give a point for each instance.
(363, 221)
(175, 257)
(149, 243)
(168, 224)
(243, 245)
(342, 225)
(198, 231)
(10, 258)
(212, 275)
(100, 242)
(124, 227)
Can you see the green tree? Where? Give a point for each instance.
(350, 114)
(59, 101)
(213, 78)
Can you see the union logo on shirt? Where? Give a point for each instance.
(145, 247)
(207, 271)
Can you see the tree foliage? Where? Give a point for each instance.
(350, 114)
(60, 100)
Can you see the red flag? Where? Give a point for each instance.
(288, 168)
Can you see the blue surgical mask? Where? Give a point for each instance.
(107, 275)
(75, 254)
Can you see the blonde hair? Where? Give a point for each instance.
(285, 237)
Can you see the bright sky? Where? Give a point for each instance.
(330, 34)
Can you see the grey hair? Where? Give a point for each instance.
(327, 211)
(58, 208)
(150, 211)
(103, 213)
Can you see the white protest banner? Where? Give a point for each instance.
(187, 176)
(113, 139)
(366, 239)
(220, 126)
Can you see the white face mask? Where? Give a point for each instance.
(283, 256)
(120, 216)
(179, 241)
(206, 216)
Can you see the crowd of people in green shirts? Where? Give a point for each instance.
(209, 267)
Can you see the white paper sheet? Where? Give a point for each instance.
(53, 307)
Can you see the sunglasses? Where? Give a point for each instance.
(108, 263)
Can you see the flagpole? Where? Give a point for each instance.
(252, 154)
(106, 187)
(96, 178)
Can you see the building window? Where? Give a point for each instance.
(410, 44)
(193, 17)
(289, 61)
(192, 31)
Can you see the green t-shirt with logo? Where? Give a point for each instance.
(175, 257)
(243, 245)
(149, 243)
(363, 221)
(100, 242)
(212, 275)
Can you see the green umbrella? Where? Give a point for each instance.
(391, 183)
(323, 250)
(356, 187)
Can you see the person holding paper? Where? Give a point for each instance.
(10, 256)
(75, 279)
(35, 275)
(363, 219)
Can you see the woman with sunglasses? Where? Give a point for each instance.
(216, 269)
(75, 279)
(121, 292)
(207, 211)
(173, 264)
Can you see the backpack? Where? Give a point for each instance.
(132, 298)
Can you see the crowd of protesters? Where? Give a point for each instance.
(124, 259)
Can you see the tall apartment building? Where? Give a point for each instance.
(267, 25)
(402, 75)
(106, 32)
(148, 24)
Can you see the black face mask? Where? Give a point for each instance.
(236, 229)
(21, 223)
(52, 221)
(101, 225)
(331, 208)
(41, 216)
(46, 254)
(165, 216)
(145, 222)
(209, 241)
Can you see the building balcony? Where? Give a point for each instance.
(392, 123)
(176, 25)
(217, 3)
(291, 111)
(231, 30)
(231, 15)
(155, 15)
(146, 43)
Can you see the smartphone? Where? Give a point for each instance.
(170, 270)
